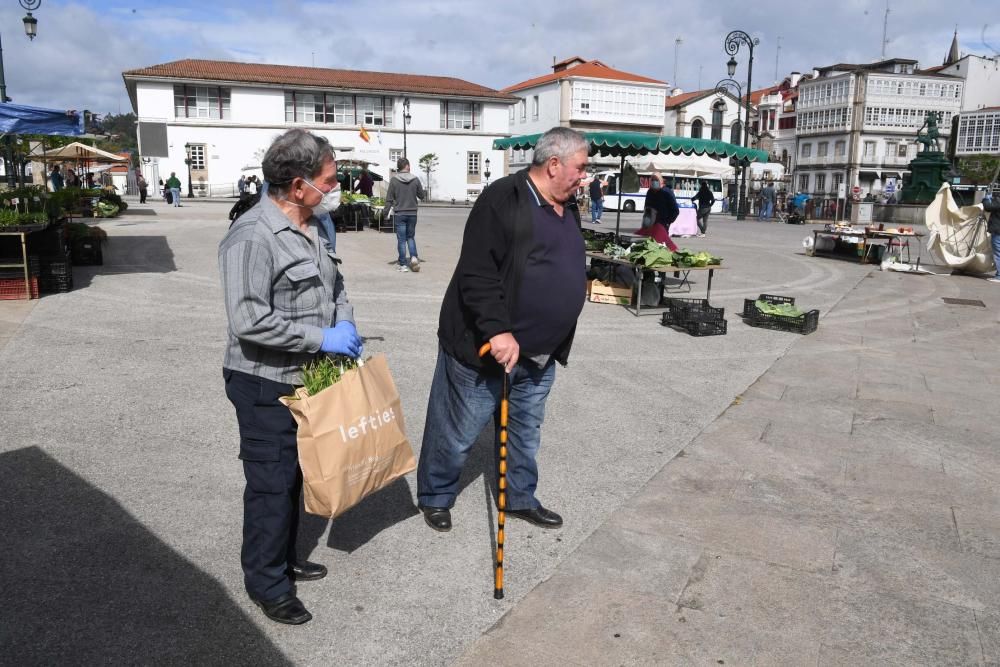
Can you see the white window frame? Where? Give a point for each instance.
(473, 161)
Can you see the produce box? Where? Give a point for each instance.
(12, 287)
(598, 292)
(695, 316)
(805, 323)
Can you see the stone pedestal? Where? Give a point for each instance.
(927, 172)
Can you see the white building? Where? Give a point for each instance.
(981, 75)
(705, 114)
(224, 115)
(858, 123)
(585, 95)
(978, 132)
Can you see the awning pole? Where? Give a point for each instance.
(618, 217)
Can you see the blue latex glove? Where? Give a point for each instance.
(341, 339)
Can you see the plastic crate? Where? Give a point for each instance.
(55, 285)
(86, 252)
(51, 241)
(12, 287)
(805, 324)
(56, 266)
(706, 327)
(684, 310)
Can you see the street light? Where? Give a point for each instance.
(187, 161)
(30, 29)
(733, 41)
(733, 87)
(487, 172)
(406, 121)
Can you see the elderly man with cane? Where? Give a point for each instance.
(286, 304)
(520, 285)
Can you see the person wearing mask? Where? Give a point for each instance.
(519, 285)
(286, 304)
(596, 200)
(404, 191)
(661, 210)
(993, 227)
(174, 186)
(704, 200)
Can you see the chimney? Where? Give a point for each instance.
(795, 78)
(674, 92)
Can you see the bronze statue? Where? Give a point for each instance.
(930, 138)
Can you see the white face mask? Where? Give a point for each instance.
(330, 201)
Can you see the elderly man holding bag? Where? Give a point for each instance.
(286, 304)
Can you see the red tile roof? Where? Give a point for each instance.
(684, 98)
(593, 69)
(320, 77)
(756, 95)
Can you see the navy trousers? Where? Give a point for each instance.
(270, 458)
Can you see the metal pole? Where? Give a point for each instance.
(746, 138)
(618, 218)
(3, 80)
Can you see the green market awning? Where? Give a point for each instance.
(623, 144)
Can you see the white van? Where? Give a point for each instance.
(684, 188)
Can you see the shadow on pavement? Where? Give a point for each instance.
(129, 254)
(83, 582)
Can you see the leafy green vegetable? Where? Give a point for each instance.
(650, 254)
(685, 258)
(324, 372)
(782, 309)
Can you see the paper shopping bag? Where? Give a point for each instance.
(351, 438)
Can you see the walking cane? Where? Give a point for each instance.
(501, 485)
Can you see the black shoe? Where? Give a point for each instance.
(306, 571)
(539, 516)
(438, 518)
(286, 609)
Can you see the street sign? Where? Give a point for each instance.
(842, 191)
(890, 186)
(856, 190)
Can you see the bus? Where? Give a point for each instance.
(684, 188)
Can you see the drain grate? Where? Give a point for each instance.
(963, 302)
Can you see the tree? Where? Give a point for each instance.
(428, 163)
(981, 169)
(121, 132)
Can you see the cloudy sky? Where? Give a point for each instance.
(83, 46)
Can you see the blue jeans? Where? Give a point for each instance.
(406, 227)
(766, 209)
(596, 209)
(995, 238)
(176, 194)
(461, 402)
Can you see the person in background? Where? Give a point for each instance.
(90, 180)
(72, 180)
(174, 185)
(404, 191)
(520, 285)
(56, 179)
(366, 183)
(767, 202)
(596, 200)
(140, 181)
(241, 185)
(993, 227)
(661, 207)
(704, 199)
(286, 305)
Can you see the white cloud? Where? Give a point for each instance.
(81, 51)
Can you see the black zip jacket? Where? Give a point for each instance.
(483, 291)
(993, 208)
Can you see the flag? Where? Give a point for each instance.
(364, 134)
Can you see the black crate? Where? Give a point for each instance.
(55, 285)
(682, 310)
(86, 252)
(805, 324)
(56, 266)
(706, 327)
(50, 241)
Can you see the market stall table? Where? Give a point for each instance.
(866, 239)
(681, 272)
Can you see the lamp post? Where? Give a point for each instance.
(733, 41)
(486, 173)
(733, 87)
(187, 161)
(31, 30)
(406, 121)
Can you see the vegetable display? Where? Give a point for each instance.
(782, 309)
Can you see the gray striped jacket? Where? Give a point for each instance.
(281, 288)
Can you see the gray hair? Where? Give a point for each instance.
(560, 142)
(295, 154)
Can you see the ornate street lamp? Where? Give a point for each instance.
(187, 161)
(406, 121)
(733, 87)
(487, 172)
(733, 41)
(31, 30)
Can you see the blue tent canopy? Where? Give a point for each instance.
(22, 119)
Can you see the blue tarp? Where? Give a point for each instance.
(21, 119)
